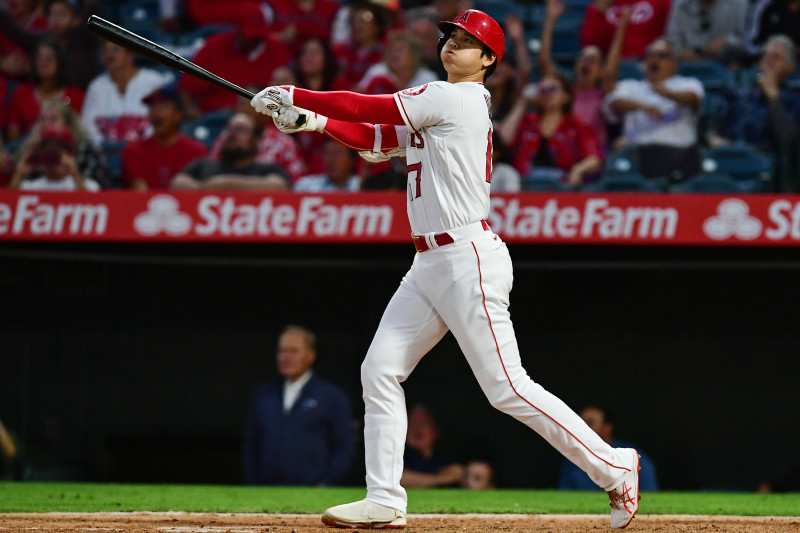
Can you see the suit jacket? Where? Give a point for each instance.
(310, 445)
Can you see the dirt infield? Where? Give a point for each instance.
(251, 523)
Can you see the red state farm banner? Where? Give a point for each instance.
(560, 218)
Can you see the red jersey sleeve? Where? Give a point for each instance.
(351, 107)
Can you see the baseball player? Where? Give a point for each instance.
(461, 277)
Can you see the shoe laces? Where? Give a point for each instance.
(620, 498)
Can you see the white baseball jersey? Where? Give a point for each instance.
(449, 154)
(462, 287)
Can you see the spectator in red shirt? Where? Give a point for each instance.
(49, 82)
(65, 24)
(297, 21)
(595, 75)
(369, 23)
(648, 22)
(152, 162)
(552, 142)
(3, 95)
(25, 14)
(205, 12)
(245, 55)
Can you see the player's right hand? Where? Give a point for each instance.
(269, 101)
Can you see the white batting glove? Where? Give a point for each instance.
(270, 100)
(294, 119)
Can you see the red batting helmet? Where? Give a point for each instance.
(482, 26)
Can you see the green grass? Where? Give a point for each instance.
(89, 497)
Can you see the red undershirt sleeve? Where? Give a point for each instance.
(350, 107)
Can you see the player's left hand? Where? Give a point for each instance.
(269, 101)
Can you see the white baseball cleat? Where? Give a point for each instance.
(625, 498)
(364, 514)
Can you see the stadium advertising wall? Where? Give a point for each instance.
(580, 218)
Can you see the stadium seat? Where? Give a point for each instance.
(207, 127)
(716, 182)
(112, 150)
(12, 146)
(630, 182)
(623, 161)
(712, 75)
(565, 43)
(499, 9)
(629, 69)
(139, 12)
(544, 180)
(741, 161)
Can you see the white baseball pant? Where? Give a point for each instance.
(463, 287)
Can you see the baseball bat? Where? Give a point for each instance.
(155, 52)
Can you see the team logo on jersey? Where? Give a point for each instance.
(413, 91)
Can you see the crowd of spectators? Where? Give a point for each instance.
(590, 90)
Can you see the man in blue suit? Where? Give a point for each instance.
(299, 429)
(602, 422)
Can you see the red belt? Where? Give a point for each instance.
(441, 239)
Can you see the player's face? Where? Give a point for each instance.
(775, 59)
(478, 476)
(422, 432)
(46, 62)
(312, 58)
(660, 61)
(165, 117)
(60, 19)
(588, 66)
(294, 356)
(461, 55)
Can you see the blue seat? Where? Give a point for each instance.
(498, 9)
(630, 182)
(629, 69)
(544, 179)
(566, 44)
(207, 127)
(112, 150)
(717, 182)
(11, 147)
(139, 12)
(623, 161)
(741, 161)
(712, 75)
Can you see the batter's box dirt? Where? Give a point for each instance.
(261, 523)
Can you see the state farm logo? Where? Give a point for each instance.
(733, 218)
(163, 214)
(414, 91)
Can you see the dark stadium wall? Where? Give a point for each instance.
(137, 363)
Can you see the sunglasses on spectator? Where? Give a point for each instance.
(547, 90)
